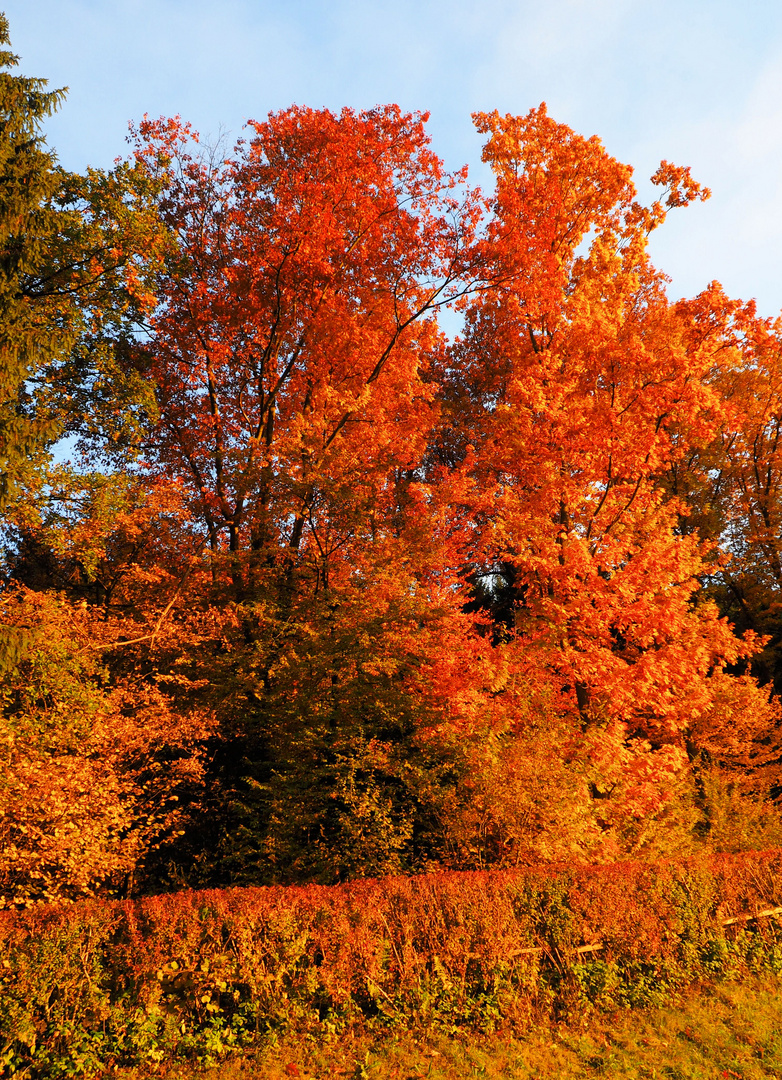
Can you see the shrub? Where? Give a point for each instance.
(201, 973)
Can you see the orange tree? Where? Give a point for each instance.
(296, 362)
(734, 482)
(287, 572)
(292, 335)
(290, 351)
(575, 390)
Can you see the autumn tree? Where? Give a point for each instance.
(328, 595)
(732, 482)
(575, 387)
(344, 495)
(290, 352)
(292, 334)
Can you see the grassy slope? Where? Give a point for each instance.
(729, 1032)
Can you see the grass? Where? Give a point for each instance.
(727, 1032)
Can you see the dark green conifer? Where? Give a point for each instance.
(29, 180)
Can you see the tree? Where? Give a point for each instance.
(74, 258)
(27, 225)
(70, 264)
(330, 596)
(292, 336)
(733, 482)
(581, 386)
(296, 366)
(290, 351)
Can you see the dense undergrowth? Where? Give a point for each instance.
(729, 1032)
(196, 976)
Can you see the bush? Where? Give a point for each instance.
(201, 973)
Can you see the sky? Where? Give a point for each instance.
(697, 82)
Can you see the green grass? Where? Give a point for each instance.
(728, 1032)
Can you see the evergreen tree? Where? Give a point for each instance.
(76, 255)
(29, 180)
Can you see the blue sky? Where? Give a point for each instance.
(698, 82)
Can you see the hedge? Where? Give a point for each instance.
(199, 974)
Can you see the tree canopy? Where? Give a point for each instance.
(324, 592)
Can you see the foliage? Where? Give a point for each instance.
(324, 595)
(71, 267)
(29, 180)
(71, 279)
(202, 973)
(293, 329)
(732, 483)
(577, 386)
(728, 1030)
(92, 775)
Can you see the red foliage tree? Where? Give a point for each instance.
(579, 386)
(292, 339)
(324, 476)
